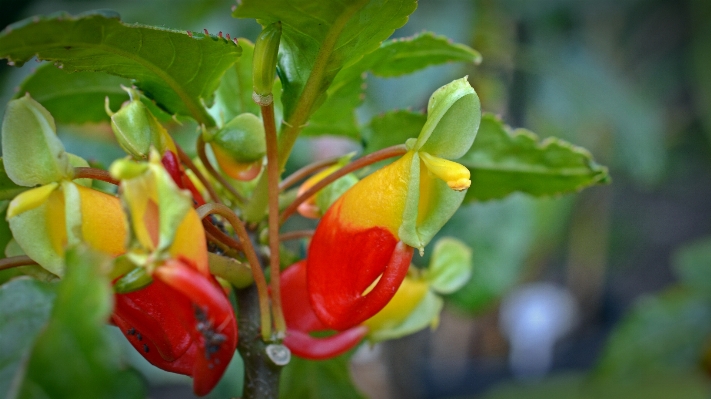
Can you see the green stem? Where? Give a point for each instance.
(184, 158)
(306, 171)
(273, 199)
(259, 280)
(211, 170)
(369, 159)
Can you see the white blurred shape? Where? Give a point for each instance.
(533, 318)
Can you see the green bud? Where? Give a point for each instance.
(136, 129)
(32, 152)
(239, 146)
(133, 281)
(264, 63)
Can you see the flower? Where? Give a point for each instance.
(182, 321)
(301, 320)
(361, 249)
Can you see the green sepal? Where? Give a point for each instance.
(8, 188)
(426, 314)
(32, 235)
(122, 265)
(134, 280)
(242, 138)
(230, 269)
(450, 266)
(173, 205)
(453, 116)
(28, 125)
(136, 129)
(72, 213)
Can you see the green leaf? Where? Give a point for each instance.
(666, 332)
(234, 94)
(25, 306)
(8, 188)
(407, 55)
(320, 39)
(179, 72)
(392, 128)
(308, 379)
(73, 357)
(450, 266)
(337, 114)
(76, 97)
(692, 264)
(502, 161)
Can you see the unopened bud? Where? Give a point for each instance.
(239, 146)
(266, 49)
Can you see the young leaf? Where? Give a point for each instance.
(75, 97)
(25, 305)
(669, 331)
(322, 379)
(321, 39)
(234, 94)
(337, 114)
(73, 356)
(502, 161)
(179, 72)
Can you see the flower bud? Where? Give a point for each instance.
(240, 146)
(28, 125)
(136, 129)
(266, 49)
(133, 281)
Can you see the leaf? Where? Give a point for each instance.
(234, 94)
(8, 188)
(308, 379)
(393, 58)
(450, 266)
(666, 332)
(692, 264)
(319, 39)
(392, 128)
(407, 55)
(25, 305)
(76, 97)
(73, 356)
(179, 72)
(502, 161)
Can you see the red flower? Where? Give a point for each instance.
(182, 322)
(301, 320)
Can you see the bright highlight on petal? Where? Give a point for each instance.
(30, 199)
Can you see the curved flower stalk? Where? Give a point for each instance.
(361, 249)
(61, 211)
(301, 321)
(182, 321)
(315, 206)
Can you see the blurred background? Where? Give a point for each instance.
(604, 293)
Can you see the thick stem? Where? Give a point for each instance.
(189, 163)
(93, 173)
(306, 171)
(369, 159)
(273, 183)
(251, 255)
(211, 170)
(261, 376)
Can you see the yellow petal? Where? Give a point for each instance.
(406, 299)
(30, 199)
(455, 175)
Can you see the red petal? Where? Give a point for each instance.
(303, 345)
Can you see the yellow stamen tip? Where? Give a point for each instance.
(456, 176)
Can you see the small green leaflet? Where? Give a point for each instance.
(179, 72)
(308, 379)
(503, 161)
(322, 38)
(74, 357)
(25, 305)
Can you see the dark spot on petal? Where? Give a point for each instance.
(145, 348)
